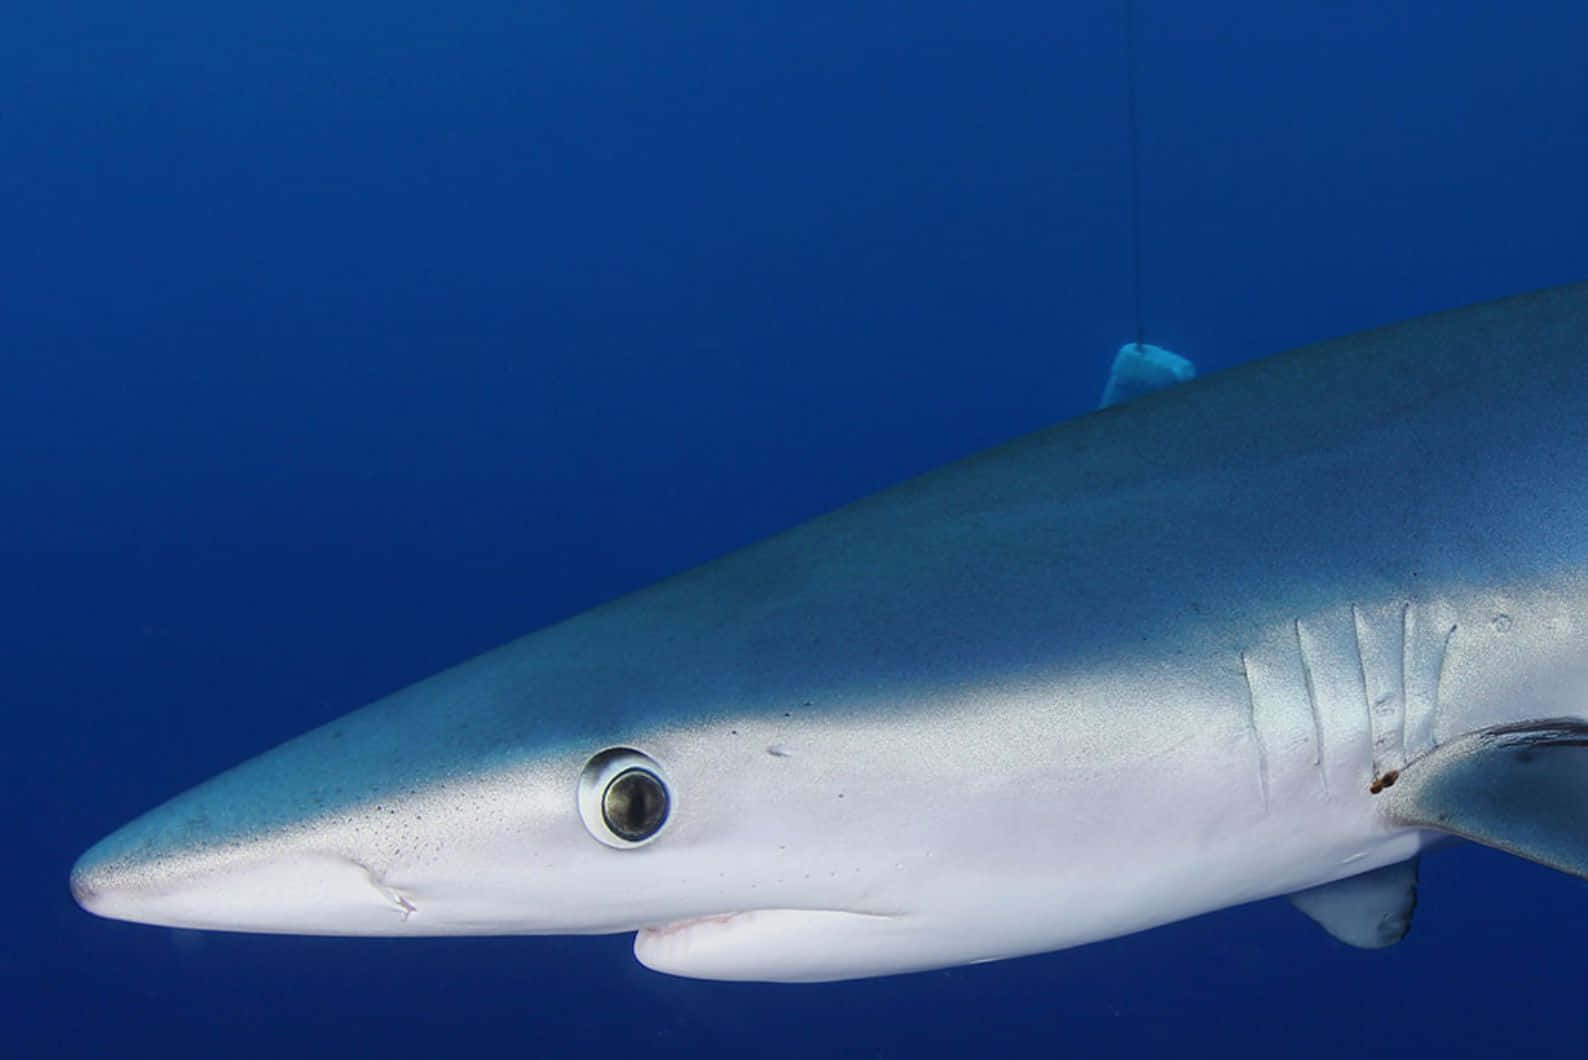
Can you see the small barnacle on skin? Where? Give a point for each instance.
(1386, 781)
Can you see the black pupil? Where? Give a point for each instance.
(635, 805)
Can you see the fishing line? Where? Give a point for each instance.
(1135, 167)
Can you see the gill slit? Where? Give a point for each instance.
(1257, 737)
(1319, 759)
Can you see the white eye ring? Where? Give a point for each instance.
(624, 798)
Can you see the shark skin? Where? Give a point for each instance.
(1237, 639)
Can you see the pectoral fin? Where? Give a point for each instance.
(1370, 911)
(1520, 788)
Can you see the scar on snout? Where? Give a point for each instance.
(777, 750)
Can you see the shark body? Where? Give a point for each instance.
(1272, 632)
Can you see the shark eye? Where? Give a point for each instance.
(623, 797)
(635, 805)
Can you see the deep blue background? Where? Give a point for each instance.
(339, 342)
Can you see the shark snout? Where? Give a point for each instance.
(269, 888)
(86, 883)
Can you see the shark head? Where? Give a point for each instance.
(603, 775)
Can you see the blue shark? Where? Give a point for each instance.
(1272, 632)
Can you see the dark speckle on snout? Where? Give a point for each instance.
(82, 886)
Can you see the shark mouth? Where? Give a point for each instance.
(775, 945)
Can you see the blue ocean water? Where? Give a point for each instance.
(341, 342)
